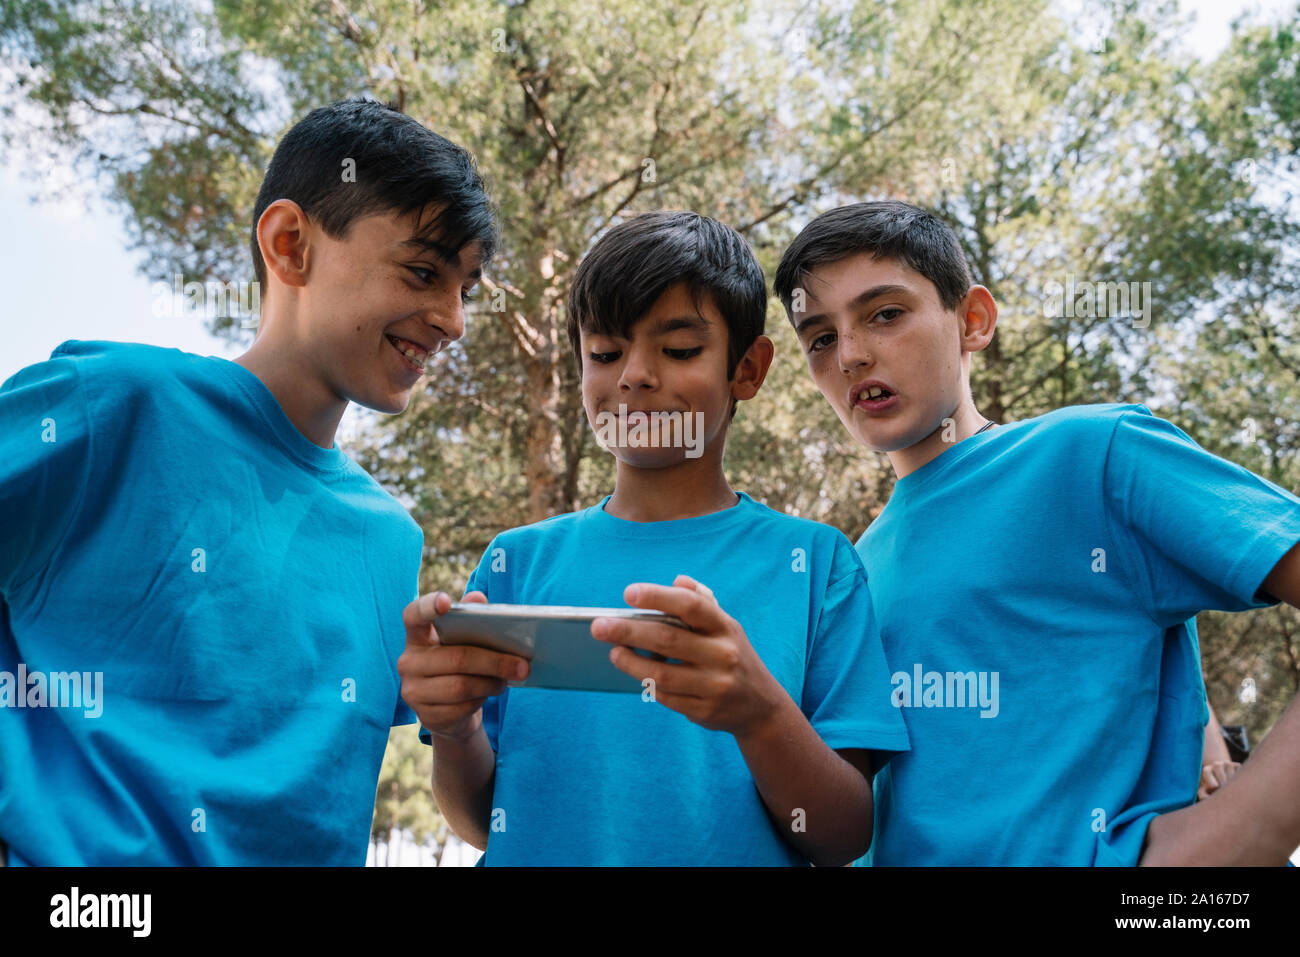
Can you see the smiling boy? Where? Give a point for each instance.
(188, 528)
(1064, 554)
(753, 748)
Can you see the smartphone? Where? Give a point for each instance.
(556, 640)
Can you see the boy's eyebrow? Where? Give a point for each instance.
(861, 299)
(695, 323)
(663, 327)
(442, 252)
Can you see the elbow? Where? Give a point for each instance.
(844, 852)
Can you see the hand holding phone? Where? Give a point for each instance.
(556, 640)
(446, 684)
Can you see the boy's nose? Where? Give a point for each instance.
(853, 354)
(637, 372)
(449, 316)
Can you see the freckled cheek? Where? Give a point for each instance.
(824, 378)
(819, 363)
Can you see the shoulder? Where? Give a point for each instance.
(820, 538)
(1071, 430)
(123, 356)
(1132, 434)
(125, 368)
(542, 533)
(795, 525)
(391, 515)
(1077, 420)
(107, 382)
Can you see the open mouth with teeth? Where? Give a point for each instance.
(873, 395)
(416, 357)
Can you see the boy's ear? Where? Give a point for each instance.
(282, 235)
(979, 314)
(752, 369)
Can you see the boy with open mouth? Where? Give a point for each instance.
(1066, 555)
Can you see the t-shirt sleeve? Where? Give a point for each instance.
(1197, 532)
(846, 693)
(403, 714)
(45, 444)
(492, 708)
(412, 545)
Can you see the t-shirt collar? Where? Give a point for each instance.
(268, 406)
(675, 528)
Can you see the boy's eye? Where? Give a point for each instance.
(683, 353)
(821, 342)
(428, 276)
(604, 357)
(888, 315)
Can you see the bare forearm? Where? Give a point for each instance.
(820, 802)
(463, 775)
(1254, 819)
(1214, 749)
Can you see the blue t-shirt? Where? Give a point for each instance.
(238, 589)
(601, 778)
(1062, 555)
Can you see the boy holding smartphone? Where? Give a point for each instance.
(754, 743)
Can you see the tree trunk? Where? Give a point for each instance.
(545, 465)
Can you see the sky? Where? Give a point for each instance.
(53, 253)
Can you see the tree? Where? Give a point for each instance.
(403, 805)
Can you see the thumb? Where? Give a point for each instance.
(419, 615)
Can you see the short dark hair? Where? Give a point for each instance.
(888, 229)
(637, 261)
(400, 166)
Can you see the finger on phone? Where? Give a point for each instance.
(425, 609)
(667, 640)
(472, 660)
(443, 690)
(698, 610)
